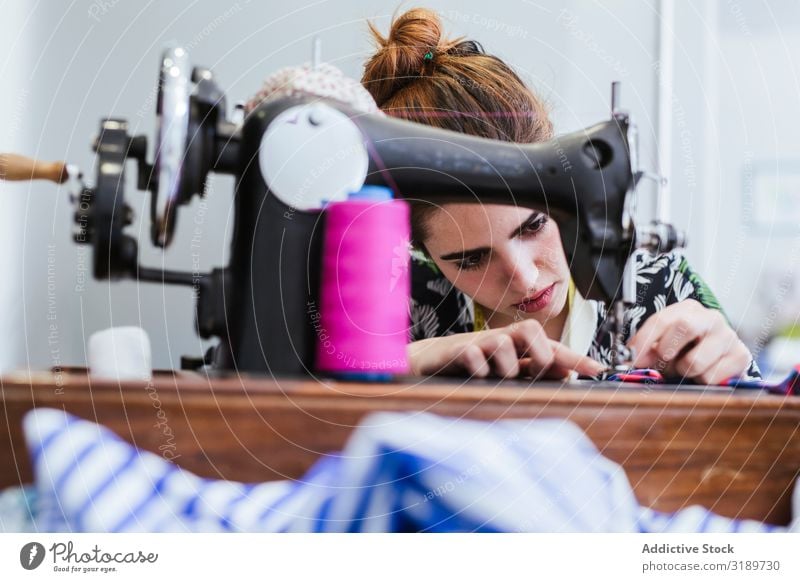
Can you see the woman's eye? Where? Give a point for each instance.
(534, 225)
(470, 262)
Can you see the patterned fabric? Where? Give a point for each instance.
(398, 473)
(17, 510)
(323, 81)
(438, 309)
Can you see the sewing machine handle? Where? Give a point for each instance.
(14, 167)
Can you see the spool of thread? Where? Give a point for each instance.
(362, 324)
(120, 353)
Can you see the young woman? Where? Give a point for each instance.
(492, 292)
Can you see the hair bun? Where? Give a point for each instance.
(402, 55)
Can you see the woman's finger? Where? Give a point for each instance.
(679, 335)
(501, 354)
(526, 335)
(567, 359)
(733, 363)
(730, 366)
(645, 342)
(704, 357)
(472, 360)
(555, 360)
(539, 359)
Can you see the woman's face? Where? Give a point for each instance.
(508, 259)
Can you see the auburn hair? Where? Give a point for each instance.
(420, 75)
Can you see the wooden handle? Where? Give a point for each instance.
(14, 167)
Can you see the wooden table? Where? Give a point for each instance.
(737, 454)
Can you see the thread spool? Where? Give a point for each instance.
(120, 353)
(362, 324)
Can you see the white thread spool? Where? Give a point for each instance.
(120, 353)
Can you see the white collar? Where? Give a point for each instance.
(581, 325)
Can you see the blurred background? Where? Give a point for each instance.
(712, 84)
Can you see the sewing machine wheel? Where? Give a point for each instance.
(173, 113)
(101, 212)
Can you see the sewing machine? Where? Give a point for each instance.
(290, 154)
(733, 454)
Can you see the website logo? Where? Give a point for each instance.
(31, 555)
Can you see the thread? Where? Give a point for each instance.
(362, 324)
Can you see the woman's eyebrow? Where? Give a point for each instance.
(514, 233)
(461, 254)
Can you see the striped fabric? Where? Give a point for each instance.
(399, 472)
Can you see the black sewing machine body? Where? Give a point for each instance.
(258, 305)
(274, 268)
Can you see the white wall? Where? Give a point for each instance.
(16, 55)
(100, 57)
(736, 102)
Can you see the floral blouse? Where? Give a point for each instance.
(438, 309)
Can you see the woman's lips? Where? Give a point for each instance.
(537, 302)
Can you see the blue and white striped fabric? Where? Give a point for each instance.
(398, 472)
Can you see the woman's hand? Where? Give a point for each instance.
(689, 340)
(520, 349)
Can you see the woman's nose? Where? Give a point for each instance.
(522, 275)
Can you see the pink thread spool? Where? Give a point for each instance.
(362, 328)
